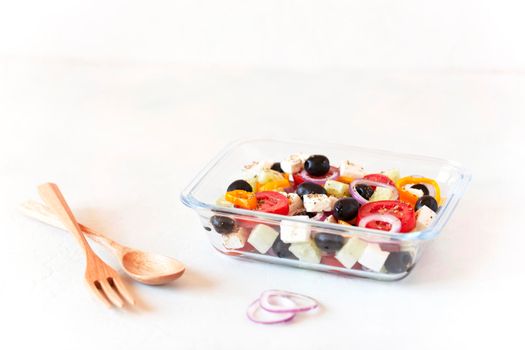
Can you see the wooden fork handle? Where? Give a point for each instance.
(51, 195)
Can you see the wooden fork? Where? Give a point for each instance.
(100, 277)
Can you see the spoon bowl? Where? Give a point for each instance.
(151, 268)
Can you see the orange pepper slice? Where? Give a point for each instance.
(242, 199)
(410, 198)
(345, 179)
(276, 185)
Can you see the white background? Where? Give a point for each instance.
(122, 102)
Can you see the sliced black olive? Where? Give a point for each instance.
(421, 187)
(428, 201)
(309, 188)
(328, 242)
(398, 262)
(277, 167)
(346, 209)
(317, 165)
(240, 185)
(364, 191)
(281, 249)
(223, 224)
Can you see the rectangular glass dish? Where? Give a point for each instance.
(202, 193)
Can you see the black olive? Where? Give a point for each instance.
(428, 201)
(328, 242)
(398, 262)
(207, 228)
(364, 191)
(281, 249)
(277, 167)
(346, 209)
(240, 185)
(223, 224)
(421, 187)
(309, 188)
(317, 165)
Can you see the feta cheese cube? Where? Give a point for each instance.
(296, 203)
(354, 171)
(292, 164)
(424, 217)
(254, 168)
(336, 188)
(381, 194)
(414, 191)
(306, 251)
(373, 257)
(393, 174)
(295, 232)
(262, 238)
(235, 240)
(315, 203)
(351, 252)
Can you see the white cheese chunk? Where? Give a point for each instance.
(414, 191)
(306, 251)
(351, 252)
(381, 194)
(295, 232)
(354, 171)
(254, 168)
(292, 164)
(295, 203)
(424, 217)
(373, 257)
(235, 240)
(315, 203)
(262, 238)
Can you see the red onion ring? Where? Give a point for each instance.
(394, 222)
(332, 174)
(259, 315)
(360, 199)
(301, 302)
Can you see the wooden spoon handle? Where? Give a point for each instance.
(52, 196)
(42, 213)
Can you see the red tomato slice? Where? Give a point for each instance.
(380, 178)
(272, 202)
(404, 212)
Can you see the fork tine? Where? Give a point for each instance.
(98, 293)
(111, 294)
(122, 289)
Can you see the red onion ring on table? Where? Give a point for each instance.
(259, 315)
(394, 222)
(360, 199)
(302, 302)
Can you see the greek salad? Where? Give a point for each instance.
(311, 187)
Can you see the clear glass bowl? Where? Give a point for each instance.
(399, 251)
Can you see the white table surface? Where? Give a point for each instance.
(122, 140)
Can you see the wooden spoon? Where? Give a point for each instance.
(144, 267)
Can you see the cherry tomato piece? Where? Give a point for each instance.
(403, 211)
(380, 178)
(272, 202)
